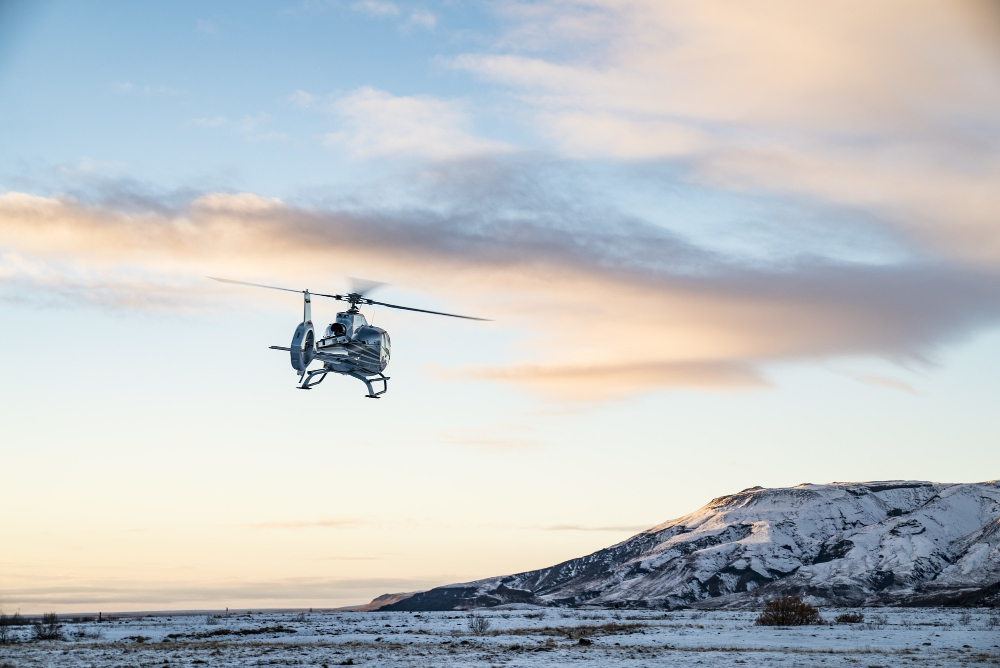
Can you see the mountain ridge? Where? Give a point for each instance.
(895, 542)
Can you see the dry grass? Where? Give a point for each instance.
(572, 632)
(229, 632)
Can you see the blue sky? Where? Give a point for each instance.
(723, 246)
(206, 95)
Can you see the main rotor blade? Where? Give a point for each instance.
(420, 310)
(363, 286)
(272, 287)
(343, 298)
(254, 285)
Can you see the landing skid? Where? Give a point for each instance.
(309, 383)
(316, 376)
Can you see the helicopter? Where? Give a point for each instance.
(349, 346)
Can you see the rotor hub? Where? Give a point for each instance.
(354, 299)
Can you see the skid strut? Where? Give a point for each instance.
(319, 374)
(372, 394)
(316, 376)
(308, 383)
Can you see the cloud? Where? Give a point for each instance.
(250, 127)
(603, 303)
(302, 99)
(309, 524)
(30, 280)
(886, 382)
(422, 18)
(85, 166)
(599, 381)
(382, 9)
(378, 124)
(891, 108)
(376, 8)
(129, 594)
(311, 7)
(147, 90)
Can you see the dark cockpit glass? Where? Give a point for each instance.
(337, 329)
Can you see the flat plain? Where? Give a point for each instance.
(516, 637)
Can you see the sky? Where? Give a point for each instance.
(722, 244)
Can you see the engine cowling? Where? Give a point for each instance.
(303, 346)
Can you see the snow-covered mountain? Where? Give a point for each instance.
(896, 542)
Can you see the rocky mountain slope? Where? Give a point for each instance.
(897, 543)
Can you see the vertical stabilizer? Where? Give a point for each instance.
(303, 347)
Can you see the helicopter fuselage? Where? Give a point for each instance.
(352, 342)
(349, 346)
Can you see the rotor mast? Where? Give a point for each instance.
(354, 299)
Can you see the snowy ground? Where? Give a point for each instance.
(550, 637)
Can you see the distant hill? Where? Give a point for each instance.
(871, 543)
(384, 599)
